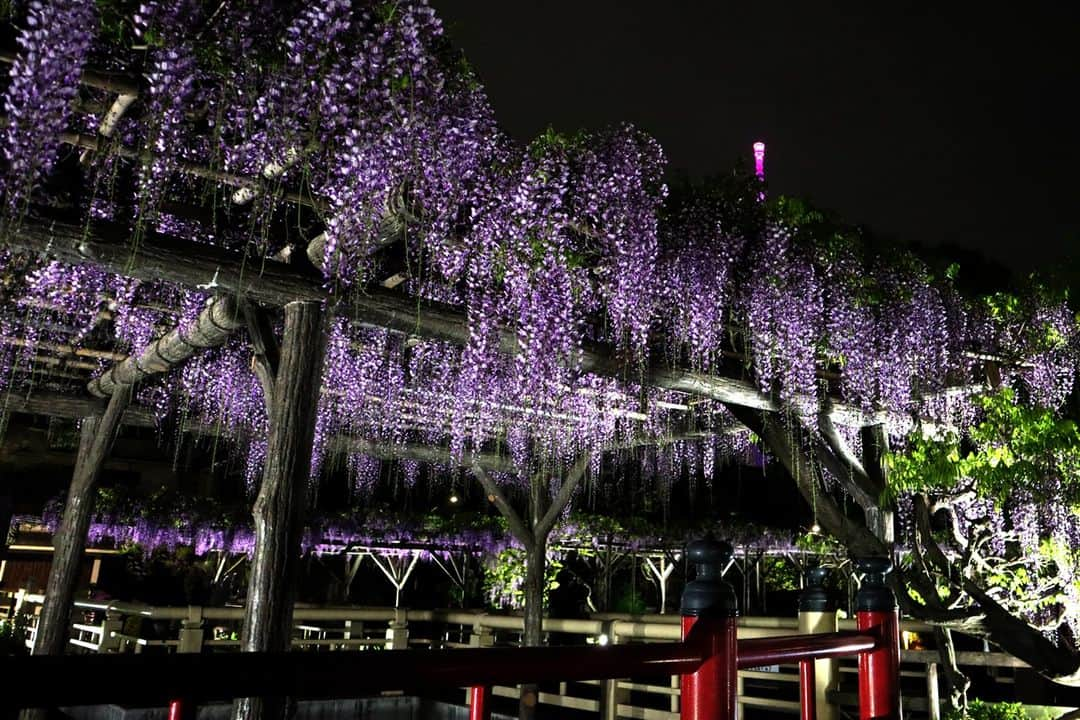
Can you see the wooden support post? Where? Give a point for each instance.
(191, 631)
(933, 692)
(279, 507)
(817, 615)
(611, 695)
(95, 444)
(481, 636)
(397, 633)
(112, 623)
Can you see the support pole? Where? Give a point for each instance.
(611, 695)
(279, 507)
(807, 697)
(879, 670)
(95, 444)
(817, 614)
(710, 614)
(478, 703)
(96, 437)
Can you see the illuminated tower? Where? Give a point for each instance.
(759, 167)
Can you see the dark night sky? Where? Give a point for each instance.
(924, 121)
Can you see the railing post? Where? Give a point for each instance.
(817, 615)
(183, 710)
(478, 703)
(397, 635)
(110, 625)
(610, 692)
(481, 636)
(191, 631)
(710, 617)
(879, 670)
(933, 692)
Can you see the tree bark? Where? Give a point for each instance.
(95, 444)
(875, 442)
(65, 406)
(535, 568)
(157, 257)
(956, 681)
(279, 507)
(543, 514)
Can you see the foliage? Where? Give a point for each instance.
(780, 573)
(980, 710)
(631, 601)
(1014, 446)
(1001, 504)
(13, 636)
(504, 578)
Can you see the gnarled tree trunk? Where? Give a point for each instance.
(984, 616)
(543, 514)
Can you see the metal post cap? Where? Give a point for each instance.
(874, 594)
(814, 597)
(708, 594)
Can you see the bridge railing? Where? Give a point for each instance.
(198, 678)
(707, 657)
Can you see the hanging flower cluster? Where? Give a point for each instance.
(171, 77)
(53, 45)
(354, 123)
(782, 306)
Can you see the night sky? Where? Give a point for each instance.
(923, 121)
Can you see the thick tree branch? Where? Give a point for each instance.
(831, 451)
(1020, 639)
(517, 525)
(264, 346)
(875, 446)
(769, 428)
(570, 484)
(922, 524)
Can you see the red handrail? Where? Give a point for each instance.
(708, 659)
(755, 652)
(92, 679)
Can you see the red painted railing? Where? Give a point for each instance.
(708, 659)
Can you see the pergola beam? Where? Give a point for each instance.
(159, 258)
(214, 325)
(72, 408)
(275, 283)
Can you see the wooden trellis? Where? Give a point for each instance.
(244, 286)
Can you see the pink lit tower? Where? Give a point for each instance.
(759, 165)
